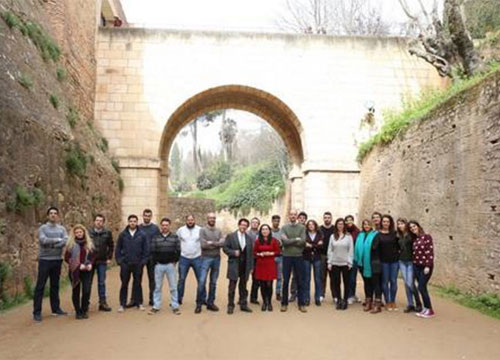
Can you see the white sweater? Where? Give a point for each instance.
(340, 252)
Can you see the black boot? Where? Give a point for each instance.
(270, 298)
(263, 293)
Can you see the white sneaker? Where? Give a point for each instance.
(141, 307)
(321, 298)
(351, 301)
(424, 310)
(121, 309)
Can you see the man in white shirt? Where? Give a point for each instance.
(189, 236)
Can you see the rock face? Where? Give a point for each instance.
(50, 153)
(445, 172)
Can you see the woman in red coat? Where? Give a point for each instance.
(265, 249)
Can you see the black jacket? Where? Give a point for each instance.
(103, 243)
(165, 249)
(132, 250)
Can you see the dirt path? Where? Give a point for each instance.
(322, 333)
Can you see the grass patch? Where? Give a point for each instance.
(76, 161)
(488, 304)
(26, 81)
(417, 109)
(45, 44)
(49, 50)
(72, 117)
(24, 199)
(54, 100)
(60, 73)
(11, 20)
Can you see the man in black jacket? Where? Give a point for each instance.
(150, 230)
(239, 249)
(165, 253)
(132, 253)
(103, 242)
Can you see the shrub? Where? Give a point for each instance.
(11, 20)
(25, 81)
(72, 116)
(29, 289)
(219, 173)
(23, 199)
(54, 100)
(76, 161)
(60, 73)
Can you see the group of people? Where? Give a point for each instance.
(291, 254)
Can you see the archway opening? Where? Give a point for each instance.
(264, 105)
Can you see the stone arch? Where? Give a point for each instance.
(259, 102)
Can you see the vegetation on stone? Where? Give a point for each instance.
(115, 165)
(54, 100)
(121, 184)
(417, 109)
(24, 198)
(26, 81)
(76, 161)
(72, 116)
(60, 73)
(104, 145)
(49, 49)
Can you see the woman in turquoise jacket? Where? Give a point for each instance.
(362, 258)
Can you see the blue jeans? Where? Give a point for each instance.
(101, 269)
(309, 266)
(353, 277)
(409, 279)
(171, 273)
(184, 265)
(295, 264)
(390, 281)
(279, 270)
(211, 264)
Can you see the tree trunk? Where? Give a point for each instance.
(461, 38)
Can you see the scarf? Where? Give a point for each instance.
(74, 261)
(362, 252)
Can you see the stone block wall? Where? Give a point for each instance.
(445, 172)
(180, 207)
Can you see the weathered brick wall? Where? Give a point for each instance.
(445, 172)
(36, 137)
(179, 207)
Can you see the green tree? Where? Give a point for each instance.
(176, 161)
(482, 16)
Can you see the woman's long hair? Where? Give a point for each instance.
(89, 244)
(420, 229)
(402, 234)
(336, 229)
(269, 237)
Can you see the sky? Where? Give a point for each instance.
(236, 15)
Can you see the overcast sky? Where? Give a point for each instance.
(250, 15)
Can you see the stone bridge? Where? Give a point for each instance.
(311, 89)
